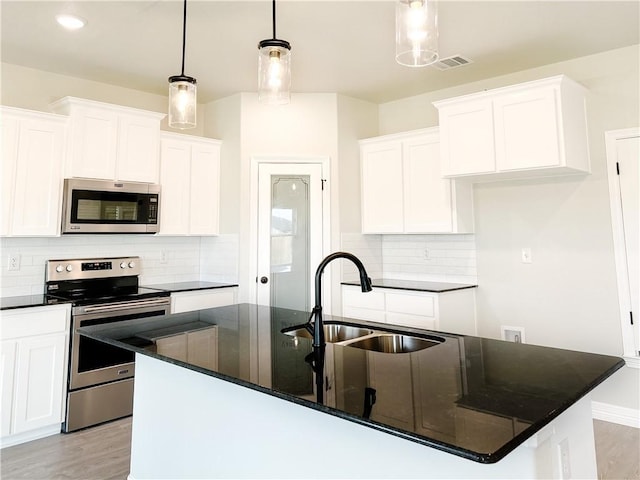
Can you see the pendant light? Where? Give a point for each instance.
(182, 91)
(416, 32)
(274, 68)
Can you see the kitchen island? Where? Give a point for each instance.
(224, 393)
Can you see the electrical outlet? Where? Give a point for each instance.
(512, 334)
(163, 256)
(526, 255)
(13, 262)
(427, 254)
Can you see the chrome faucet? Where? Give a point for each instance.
(316, 358)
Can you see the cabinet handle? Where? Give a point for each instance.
(369, 401)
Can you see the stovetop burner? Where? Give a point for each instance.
(82, 298)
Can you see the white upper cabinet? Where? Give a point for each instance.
(190, 179)
(402, 188)
(111, 142)
(532, 129)
(382, 186)
(33, 147)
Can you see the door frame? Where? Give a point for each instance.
(620, 254)
(256, 160)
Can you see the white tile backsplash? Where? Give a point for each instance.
(163, 259)
(219, 258)
(368, 248)
(439, 258)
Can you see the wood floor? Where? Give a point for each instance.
(103, 453)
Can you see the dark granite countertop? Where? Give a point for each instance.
(416, 285)
(27, 301)
(189, 286)
(455, 396)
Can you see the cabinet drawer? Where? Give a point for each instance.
(34, 321)
(363, 314)
(353, 297)
(416, 321)
(188, 301)
(410, 304)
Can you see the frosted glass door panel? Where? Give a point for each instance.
(289, 233)
(290, 269)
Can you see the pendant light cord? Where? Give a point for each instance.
(184, 34)
(273, 14)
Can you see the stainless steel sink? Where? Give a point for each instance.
(394, 343)
(333, 333)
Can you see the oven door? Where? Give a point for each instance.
(92, 362)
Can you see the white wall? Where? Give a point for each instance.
(33, 89)
(303, 129)
(567, 297)
(222, 121)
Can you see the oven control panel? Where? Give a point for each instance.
(81, 268)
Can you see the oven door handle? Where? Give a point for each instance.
(113, 307)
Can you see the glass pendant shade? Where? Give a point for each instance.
(182, 102)
(416, 32)
(274, 72)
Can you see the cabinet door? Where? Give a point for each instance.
(466, 133)
(174, 195)
(9, 159)
(205, 189)
(198, 300)
(38, 178)
(202, 348)
(382, 188)
(39, 382)
(427, 196)
(390, 375)
(526, 130)
(7, 374)
(138, 149)
(435, 414)
(93, 143)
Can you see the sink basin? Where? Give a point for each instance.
(394, 343)
(333, 333)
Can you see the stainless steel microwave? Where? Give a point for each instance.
(104, 206)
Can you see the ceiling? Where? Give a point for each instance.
(337, 46)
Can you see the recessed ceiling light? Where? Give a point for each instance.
(70, 22)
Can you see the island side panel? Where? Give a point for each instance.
(190, 425)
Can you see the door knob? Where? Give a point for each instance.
(264, 279)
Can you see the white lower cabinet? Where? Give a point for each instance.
(200, 299)
(198, 347)
(35, 344)
(452, 311)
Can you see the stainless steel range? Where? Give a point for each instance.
(102, 290)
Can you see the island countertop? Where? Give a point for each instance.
(456, 396)
(415, 285)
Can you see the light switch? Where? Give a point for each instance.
(526, 255)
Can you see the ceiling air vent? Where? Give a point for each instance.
(452, 62)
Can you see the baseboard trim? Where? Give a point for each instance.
(38, 433)
(615, 414)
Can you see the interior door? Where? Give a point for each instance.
(289, 233)
(629, 167)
